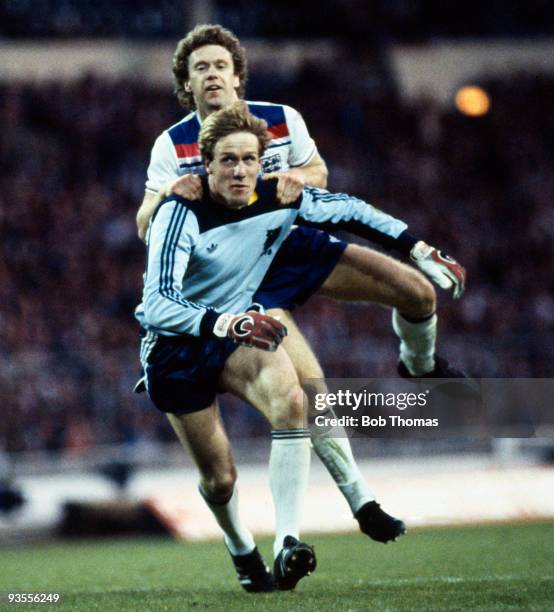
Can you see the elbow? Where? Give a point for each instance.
(145, 213)
(162, 313)
(323, 176)
(142, 221)
(152, 310)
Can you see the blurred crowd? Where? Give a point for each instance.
(91, 18)
(73, 158)
(388, 20)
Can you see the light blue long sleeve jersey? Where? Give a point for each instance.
(205, 259)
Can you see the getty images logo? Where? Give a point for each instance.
(353, 400)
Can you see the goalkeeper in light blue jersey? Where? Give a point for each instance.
(200, 336)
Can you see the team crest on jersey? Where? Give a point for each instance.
(271, 163)
(270, 238)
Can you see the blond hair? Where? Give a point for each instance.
(234, 118)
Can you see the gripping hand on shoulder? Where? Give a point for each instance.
(446, 272)
(289, 185)
(188, 186)
(251, 328)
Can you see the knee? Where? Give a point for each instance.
(425, 296)
(218, 484)
(418, 298)
(288, 409)
(313, 390)
(310, 371)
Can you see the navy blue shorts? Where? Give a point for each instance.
(302, 265)
(182, 372)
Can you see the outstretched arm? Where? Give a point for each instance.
(338, 211)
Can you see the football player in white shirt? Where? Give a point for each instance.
(210, 74)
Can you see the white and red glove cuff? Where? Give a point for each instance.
(442, 269)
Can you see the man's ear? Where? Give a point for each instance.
(188, 88)
(207, 166)
(236, 81)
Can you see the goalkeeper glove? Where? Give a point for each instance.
(251, 328)
(446, 272)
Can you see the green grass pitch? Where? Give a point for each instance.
(503, 567)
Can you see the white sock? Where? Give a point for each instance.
(238, 538)
(289, 466)
(417, 343)
(334, 450)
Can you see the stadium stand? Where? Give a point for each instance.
(73, 158)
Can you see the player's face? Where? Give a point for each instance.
(233, 172)
(212, 79)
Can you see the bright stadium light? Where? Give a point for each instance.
(473, 101)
